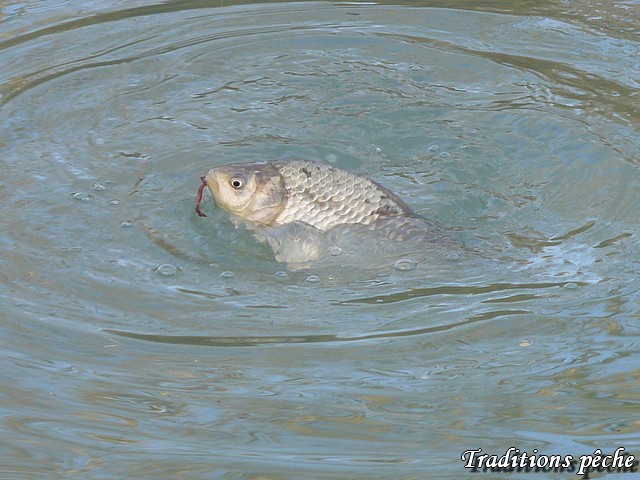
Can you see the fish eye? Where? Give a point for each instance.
(237, 181)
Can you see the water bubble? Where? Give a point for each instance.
(227, 274)
(453, 256)
(334, 250)
(281, 275)
(312, 279)
(404, 264)
(126, 224)
(433, 148)
(115, 201)
(108, 181)
(571, 286)
(167, 269)
(331, 158)
(444, 155)
(98, 186)
(82, 196)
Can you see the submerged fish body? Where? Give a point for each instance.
(270, 195)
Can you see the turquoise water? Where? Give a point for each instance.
(142, 341)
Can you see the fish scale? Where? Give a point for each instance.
(324, 197)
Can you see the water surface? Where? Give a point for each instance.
(140, 340)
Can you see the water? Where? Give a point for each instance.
(140, 340)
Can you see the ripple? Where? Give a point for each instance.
(325, 338)
(457, 290)
(518, 133)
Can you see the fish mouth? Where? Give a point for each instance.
(212, 183)
(209, 181)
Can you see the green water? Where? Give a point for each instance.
(139, 340)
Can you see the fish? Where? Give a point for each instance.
(270, 195)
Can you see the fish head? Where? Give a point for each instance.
(253, 192)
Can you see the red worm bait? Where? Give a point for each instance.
(199, 196)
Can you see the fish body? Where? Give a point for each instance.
(324, 197)
(274, 194)
(281, 192)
